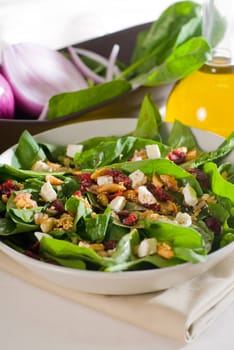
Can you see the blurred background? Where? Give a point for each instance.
(57, 23)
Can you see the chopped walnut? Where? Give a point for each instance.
(23, 201)
(164, 250)
(170, 182)
(65, 221)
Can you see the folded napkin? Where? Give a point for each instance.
(182, 312)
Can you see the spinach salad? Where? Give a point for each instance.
(119, 203)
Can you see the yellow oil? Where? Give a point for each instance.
(205, 99)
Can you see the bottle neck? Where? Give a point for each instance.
(218, 29)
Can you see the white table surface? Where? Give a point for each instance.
(33, 319)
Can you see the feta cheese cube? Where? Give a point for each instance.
(145, 196)
(104, 180)
(183, 219)
(47, 192)
(73, 149)
(148, 246)
(41, 166)
(138, 178)
(118, 203)
(153, 151)
(190, 195)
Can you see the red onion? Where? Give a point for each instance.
(111, 63)
(36, 73)
(7, 102)
(100, 59)
(83, 68)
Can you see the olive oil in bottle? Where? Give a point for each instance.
(205, 98)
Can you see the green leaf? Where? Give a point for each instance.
(223, 150)
(148, 261)
(125, 246)
(149, 120)
(8, 227)
(96, 227)
(58, 249)
(74, 102)
(155, 45)
(181, 135)
(9, 172)
(105, 153)
(27, 152)
(185, 59)
(176, 235)
(219, 185)
(79, 207)
(160, 167)
(226, 239)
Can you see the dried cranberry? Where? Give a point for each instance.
(77, 194)
(201, 177)
(58, 205)
(8, 187)
(119, 177)
(110, 244)
(130, 220)
(113, 195)
(159, 193)
(154, 206)
(177, 156)
(85, 181)
(214, 225)
(123, 214)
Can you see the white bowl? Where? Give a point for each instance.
(119, 283)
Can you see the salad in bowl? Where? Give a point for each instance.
(148, 197)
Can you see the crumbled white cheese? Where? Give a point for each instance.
(145, 196)
(73, 149)
(148, 246)
(183, 219)
(41, 166)
(153, 151)
(104, 180)
(47, 192)
(138, 178)
(190, 195)
(118, 203)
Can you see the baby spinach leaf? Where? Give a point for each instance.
(176, 235)
(150, 261)
(67, 262)
(9, 172)
(58, 249)
(8, 227)
(149, 120)
(219, 185)
(53, 152)
(164, 33)
(125, 246)
(161, 167)
(27, 152)
(79, 207)
(223, 150)
(188, 254)
(105, 153)
(96, 227)
(226, 239)
(185, 59)
(181, 135)
(74, 102)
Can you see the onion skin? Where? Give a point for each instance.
(36, 73)
(7, 101)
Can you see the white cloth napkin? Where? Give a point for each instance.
(182, 312)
